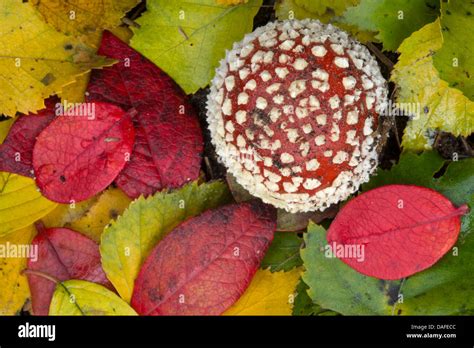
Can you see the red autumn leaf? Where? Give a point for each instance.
(168, 145)
(76, 157)
(16, 152)
(204, 265)
(395, 231)
(63, 254)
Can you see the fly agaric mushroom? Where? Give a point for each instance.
(292, 112)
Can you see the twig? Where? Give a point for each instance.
(467, 146)
(397, 137)
(182, 32)
(130, 23)
(383, 58)
(436, 141)
(209, 168)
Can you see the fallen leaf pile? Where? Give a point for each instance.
(163, 115)
(112, 202)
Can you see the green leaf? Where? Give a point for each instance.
(394, 20)
(188, 38)
(303, 304)
(301, 9)
(284, 252)
(287, 9)
(324, 10)
(419, 87)
(336, 286)
(411, 169)
(444, 289)
(127, 241)
(79, 297)
(448, 287)
(455, 60)
(457, 183)
(323, 6)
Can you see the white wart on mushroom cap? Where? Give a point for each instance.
(292, 113)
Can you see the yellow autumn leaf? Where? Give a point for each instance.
(36, 60)
(109, 206)
(79, 297)
(231, 2)
(5, 128)
(83, 17)
(91, 216)
(268, 294)
(15, 290)
(75, 92)
(21, 203)
(64, 214)
(441, 107)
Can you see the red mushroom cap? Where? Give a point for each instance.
(292, 113)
